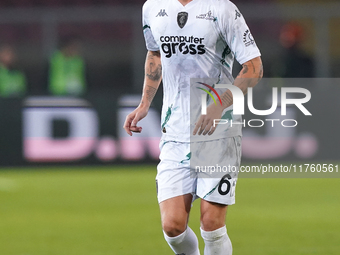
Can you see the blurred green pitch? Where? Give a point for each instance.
(114, 210)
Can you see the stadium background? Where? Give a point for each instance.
(67, 196)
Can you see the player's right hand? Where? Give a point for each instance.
(133, 118)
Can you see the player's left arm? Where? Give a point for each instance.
(249, 76)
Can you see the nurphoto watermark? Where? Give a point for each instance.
(239, 109)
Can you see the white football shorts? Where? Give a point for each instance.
(207, 170)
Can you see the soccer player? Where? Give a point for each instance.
(188, 40)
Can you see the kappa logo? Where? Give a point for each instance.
(162, 13)
(207, 16)
(238, 14)
(248, 38)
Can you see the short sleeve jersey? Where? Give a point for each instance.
(197, 41)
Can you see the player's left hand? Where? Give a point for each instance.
(133, 118)
(205, 124)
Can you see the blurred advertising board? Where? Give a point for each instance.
(65, 130)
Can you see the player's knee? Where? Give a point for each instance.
(210, 223)
(173, 228)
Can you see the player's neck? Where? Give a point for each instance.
(184, 2)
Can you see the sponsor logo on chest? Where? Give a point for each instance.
(207, 16)
(172, 45)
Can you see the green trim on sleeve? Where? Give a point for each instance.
(145, 27)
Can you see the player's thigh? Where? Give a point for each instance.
(175, 213)
(175, 186)
(213, 215)
(218, 183)
(173, 172)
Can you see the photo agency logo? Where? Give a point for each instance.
(239, 109)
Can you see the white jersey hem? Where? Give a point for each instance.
(200, 138)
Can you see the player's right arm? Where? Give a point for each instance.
(152, 79)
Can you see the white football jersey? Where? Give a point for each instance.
(197, 41)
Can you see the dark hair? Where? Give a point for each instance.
(69, 40)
